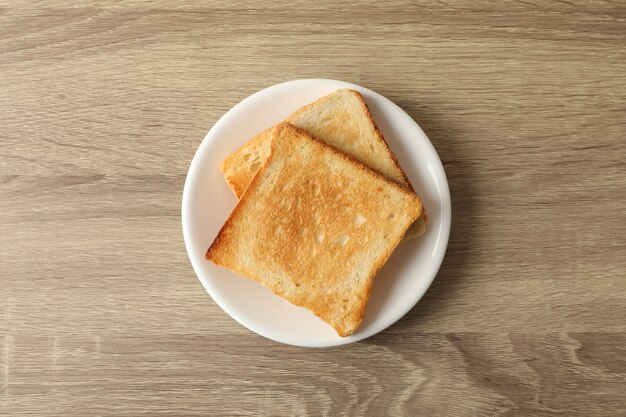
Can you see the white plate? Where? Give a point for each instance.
(207, 202)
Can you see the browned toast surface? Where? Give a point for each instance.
(315, 226)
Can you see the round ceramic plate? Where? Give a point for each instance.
(207, 203)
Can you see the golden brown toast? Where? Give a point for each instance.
(340, 119)
(315, 226)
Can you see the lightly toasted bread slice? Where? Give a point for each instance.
(341, 119)
(315, 226)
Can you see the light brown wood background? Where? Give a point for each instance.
(102, 108)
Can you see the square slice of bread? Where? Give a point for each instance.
(315, 226)
(341, 119)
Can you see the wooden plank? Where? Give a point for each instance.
(413, 374)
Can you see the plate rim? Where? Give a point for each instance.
(443, 192)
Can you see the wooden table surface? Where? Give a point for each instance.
(102, 108)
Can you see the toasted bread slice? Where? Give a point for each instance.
(315, 226)
(340, 119)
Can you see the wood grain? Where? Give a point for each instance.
(103, 106)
